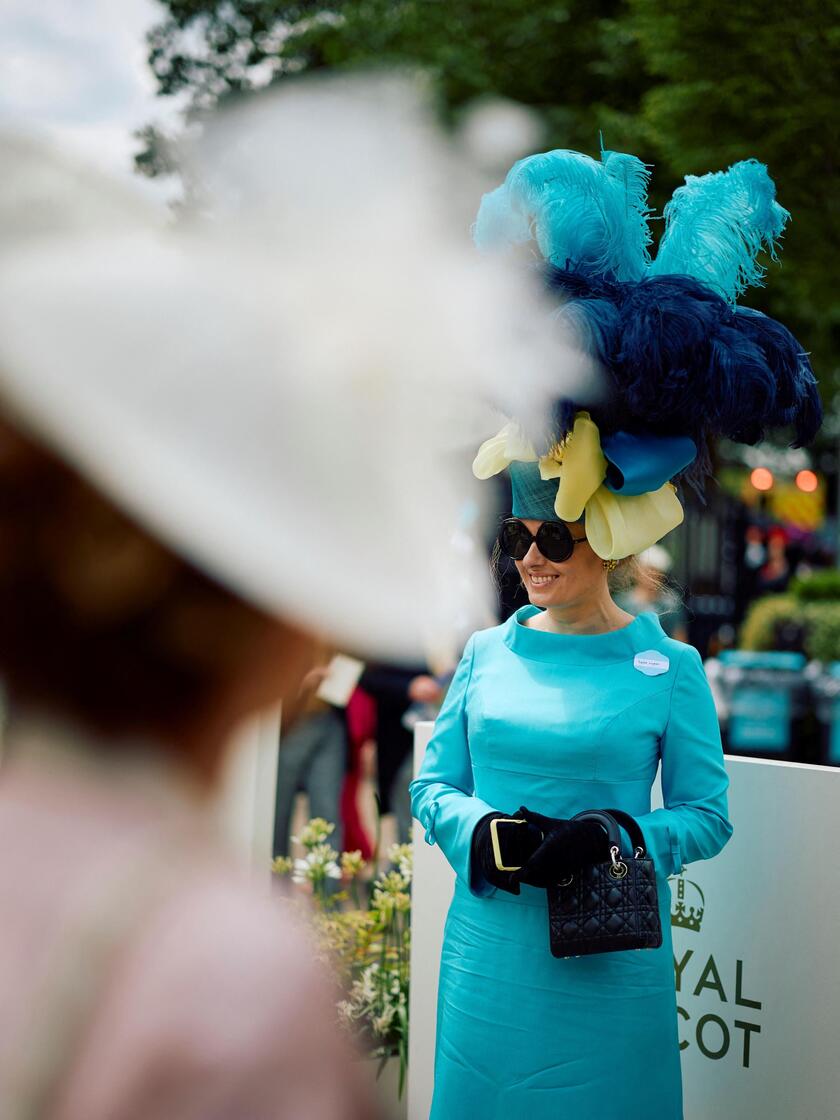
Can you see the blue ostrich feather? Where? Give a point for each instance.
(596, 324)
(682, 360)
(717, 224)
(581, 212)
(797, 393)
(742, 387)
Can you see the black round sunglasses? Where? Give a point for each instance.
(554, 540)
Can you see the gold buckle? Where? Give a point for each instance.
(494, 837)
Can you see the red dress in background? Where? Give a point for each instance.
(361, 727)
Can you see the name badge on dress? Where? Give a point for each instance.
(651, 662)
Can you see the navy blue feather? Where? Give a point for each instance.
(797, 396)
(683, 359)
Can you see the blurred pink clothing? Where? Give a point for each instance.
(141, 976)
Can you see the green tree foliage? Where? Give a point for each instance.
(756, 79)
(550, 56)
(689, 86)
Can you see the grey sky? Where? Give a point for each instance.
(76, 71)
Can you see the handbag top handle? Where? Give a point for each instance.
(611, 819)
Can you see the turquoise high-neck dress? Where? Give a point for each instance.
(562, 723)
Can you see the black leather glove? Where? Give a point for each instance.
(568, 846)
(482, 860)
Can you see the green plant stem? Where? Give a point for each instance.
(378, 837)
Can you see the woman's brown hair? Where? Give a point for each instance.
(100, 623)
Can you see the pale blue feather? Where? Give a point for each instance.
(583, 214)
(716, 226)
(499, 221)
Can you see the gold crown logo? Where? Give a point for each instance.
(687, 913)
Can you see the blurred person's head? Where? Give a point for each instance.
(648, 576)
(776, 543)
(184, 368)
(107, 629)
(656, 561)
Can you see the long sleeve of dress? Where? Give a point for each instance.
(693, 823)
(443, 793)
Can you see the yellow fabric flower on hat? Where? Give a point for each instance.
(623, 525)
(617, 525)
(508, 446)
(579, 464)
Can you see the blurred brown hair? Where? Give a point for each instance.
(99, 622)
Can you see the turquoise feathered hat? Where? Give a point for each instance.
(684, 363)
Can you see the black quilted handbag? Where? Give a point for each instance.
(610, 906)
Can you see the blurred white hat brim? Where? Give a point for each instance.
(305, 501)
(283, 414)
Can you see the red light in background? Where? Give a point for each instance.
(807, 481)
(762, 479)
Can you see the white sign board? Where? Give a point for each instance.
(247, 795)
(755, 952)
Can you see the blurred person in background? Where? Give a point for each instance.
(650, 591)
(775, 574)
(360, 723)
(312, 760)
(753, 558)
(142, 976)
(396, 690)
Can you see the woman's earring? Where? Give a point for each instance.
(610, 565)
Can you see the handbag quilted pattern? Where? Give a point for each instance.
(599, 913)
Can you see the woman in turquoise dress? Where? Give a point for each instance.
(572, 704)
(550, 711)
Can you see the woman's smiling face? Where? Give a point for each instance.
(550, 584)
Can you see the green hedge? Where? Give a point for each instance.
(822, 640)
(758, 630)
(815, 611)
(821, 586)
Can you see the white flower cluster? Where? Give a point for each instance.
(314, 832)
(401, 855)
(376, 997)
(390, 894)
(320, 863)
(376, 1006)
